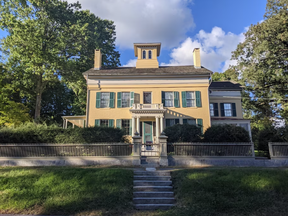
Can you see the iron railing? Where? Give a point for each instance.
(211, 149)
(278, 149)
(56, 150)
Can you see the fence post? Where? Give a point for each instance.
(271, 153)
(137, 142)
(163, 150)
(253, 149)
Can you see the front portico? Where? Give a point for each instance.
(144, 114)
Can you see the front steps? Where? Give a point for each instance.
(153, 190)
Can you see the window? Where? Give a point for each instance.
(171, 122)
(190, 99)
(189, 121)
(126, 125)
(169, 99)
(227, 109)
(105, 97)
(245, 126)
(125, 99)
(147, 98)
(211, 109)
(150, 54)
(144, 54)
(104, 122)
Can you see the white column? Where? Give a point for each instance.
(73, 125)
(157, 128)
(138, 124)
(161, 124)
(66, 122)
(133, 126)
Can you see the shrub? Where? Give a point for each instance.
(41, 133)
(226, 133)
(183, 133)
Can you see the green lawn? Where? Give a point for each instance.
(64, 190)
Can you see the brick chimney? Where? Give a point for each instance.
(97, 59)
(196, 57)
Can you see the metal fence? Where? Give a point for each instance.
(55, 150)
(212, 149)
(278, 149)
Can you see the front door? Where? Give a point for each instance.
(148, 135)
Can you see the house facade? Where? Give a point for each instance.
(147, 98)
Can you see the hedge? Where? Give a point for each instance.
(32, 133)
(183, 133)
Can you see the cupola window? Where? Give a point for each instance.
(150, 54)
(144, 54)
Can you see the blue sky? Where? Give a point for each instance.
(215, 26)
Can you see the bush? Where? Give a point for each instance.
(41, 133)
(183, 133)
(226, 133)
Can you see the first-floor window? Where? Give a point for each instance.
(104, 122)
(211, 109)
(189, 121)
(126, 125)
(228, 109)
(244, 125)
(169, 99)
(125, 99)
(171, 122)
(105, 97)
(190, 99)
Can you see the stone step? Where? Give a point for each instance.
(153, 206)
(156, 173)
(153, 194)
(150, 178)
(154, 200)
(151, 183)
(153, 188)
(149, 165)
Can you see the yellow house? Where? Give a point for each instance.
(147, 98)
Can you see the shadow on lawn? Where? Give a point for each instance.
(230, 191)
(65, 190)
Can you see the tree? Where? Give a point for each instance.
(43, 38)
(263, 63)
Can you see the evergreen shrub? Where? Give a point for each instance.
(183, 133)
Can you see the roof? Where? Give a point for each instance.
(157, 45)
(225, 85)
(162, 70)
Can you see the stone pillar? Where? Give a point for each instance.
(161, 124)
(133, 125)
(157, 129)
(66, 122)
(136, 151)
(138, 124)
(163, 150)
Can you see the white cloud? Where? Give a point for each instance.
(215, 49)
(165, 21)
(131, 63)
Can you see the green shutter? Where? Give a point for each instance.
(112, 100)
(97, 122)
(185, 121)
(176, 121)
(163, 98)
(234, 109)
(184, 102)
(111, 122)
(98, 99)
(200, 124)
(222, 109)
(131, 99)
(176, 99)
(130, 127)
(119, 100)
(119, 123)
(216, 111)
(198, 99)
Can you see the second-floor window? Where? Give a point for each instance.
(105, 98)
(190, 99)
(125, 99)
(169, 99)
(228, 109)
(147, 98)
(211, 109)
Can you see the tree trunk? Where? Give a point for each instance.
(39, 91)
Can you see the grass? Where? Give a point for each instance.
(108, 191)
(65, 190)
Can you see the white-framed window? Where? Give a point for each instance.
(144, 54)
(211, 109)
(104, 123)
(189, 121)
(149, 54)
(244, 125)
(190, 99)
(126, 125)
(147, 97)
(125, 99)
(171, 122)
(105, 98)
(169, 99)
(227, 109)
